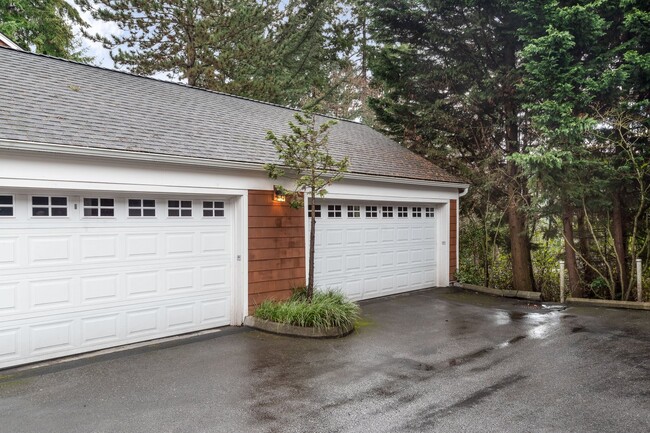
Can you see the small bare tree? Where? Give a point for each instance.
(305, 158)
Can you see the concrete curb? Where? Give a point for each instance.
(630, 305)
(296, 331)
(519, 294)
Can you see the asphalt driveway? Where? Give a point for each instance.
(439, 360)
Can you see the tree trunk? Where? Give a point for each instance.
(522, 265)
(570, 254)
(618, 232)
(583, 239)
(312, 241)
(522, 273)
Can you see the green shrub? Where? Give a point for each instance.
(326, 310)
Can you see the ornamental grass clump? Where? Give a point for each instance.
(326, 310)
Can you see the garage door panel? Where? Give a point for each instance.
(402, 258)
(402, 281)
(8, 252)
(215, 278)
(181, 316)
(387, 234)
(8, 297)
(49, 250)
(75, 284)
(370, 287)
(100, 329)
(181, 244)
(215, 311)
(371, 235)
(353, 236)
(334, 264)
(353, 288)
(140, 246)
(334, 238)
(144, 321)
(352, 262)
(98, 248)
(10, 344)
(51, 337)
(48, 294)
(380, 255)
(179, 279)
(143, 283)
(99, 288)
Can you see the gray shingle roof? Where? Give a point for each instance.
(54, 101)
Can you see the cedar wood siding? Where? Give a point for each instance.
(276, 248)
(453, 239)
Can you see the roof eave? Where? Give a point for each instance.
(31, 146)
(9, 43)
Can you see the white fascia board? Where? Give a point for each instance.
(404, 181)
(121, 154)
(171, 159)
(11, 44)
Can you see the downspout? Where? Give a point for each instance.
(462, 192)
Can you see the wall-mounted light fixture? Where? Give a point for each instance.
(278, 194)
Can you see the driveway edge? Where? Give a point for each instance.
(630, 305)
(519, 294)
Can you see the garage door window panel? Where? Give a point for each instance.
(402, 212)
(179, 208)
(354, 211)
(142, 207)
(371, 211)
(387, 211)
(6, 206)
(317, 211)
(429, 212)
(334, 211)
(416, 212)
(46, 206)
(214, 209)
(95, 207)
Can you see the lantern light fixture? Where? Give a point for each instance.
(278, 194)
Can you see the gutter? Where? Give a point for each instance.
(32, 146)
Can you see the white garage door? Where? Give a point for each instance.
(375, 249)
(84, 272)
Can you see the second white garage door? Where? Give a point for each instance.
(84, 272)
(375, 249)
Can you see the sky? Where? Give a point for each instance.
(100, 54)
(95, 49)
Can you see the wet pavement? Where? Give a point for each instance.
(440, 360)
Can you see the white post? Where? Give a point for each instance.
(562, 281)
(639, 289)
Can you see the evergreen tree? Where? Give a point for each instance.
(44, 26)
(582, 58)
(291, 53)
(208, 43)
(449, 74)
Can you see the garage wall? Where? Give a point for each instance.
(453, 239)
(276, 248)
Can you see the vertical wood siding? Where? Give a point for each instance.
(276, 248)
(453, 239)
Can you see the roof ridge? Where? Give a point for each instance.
(187, 86)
